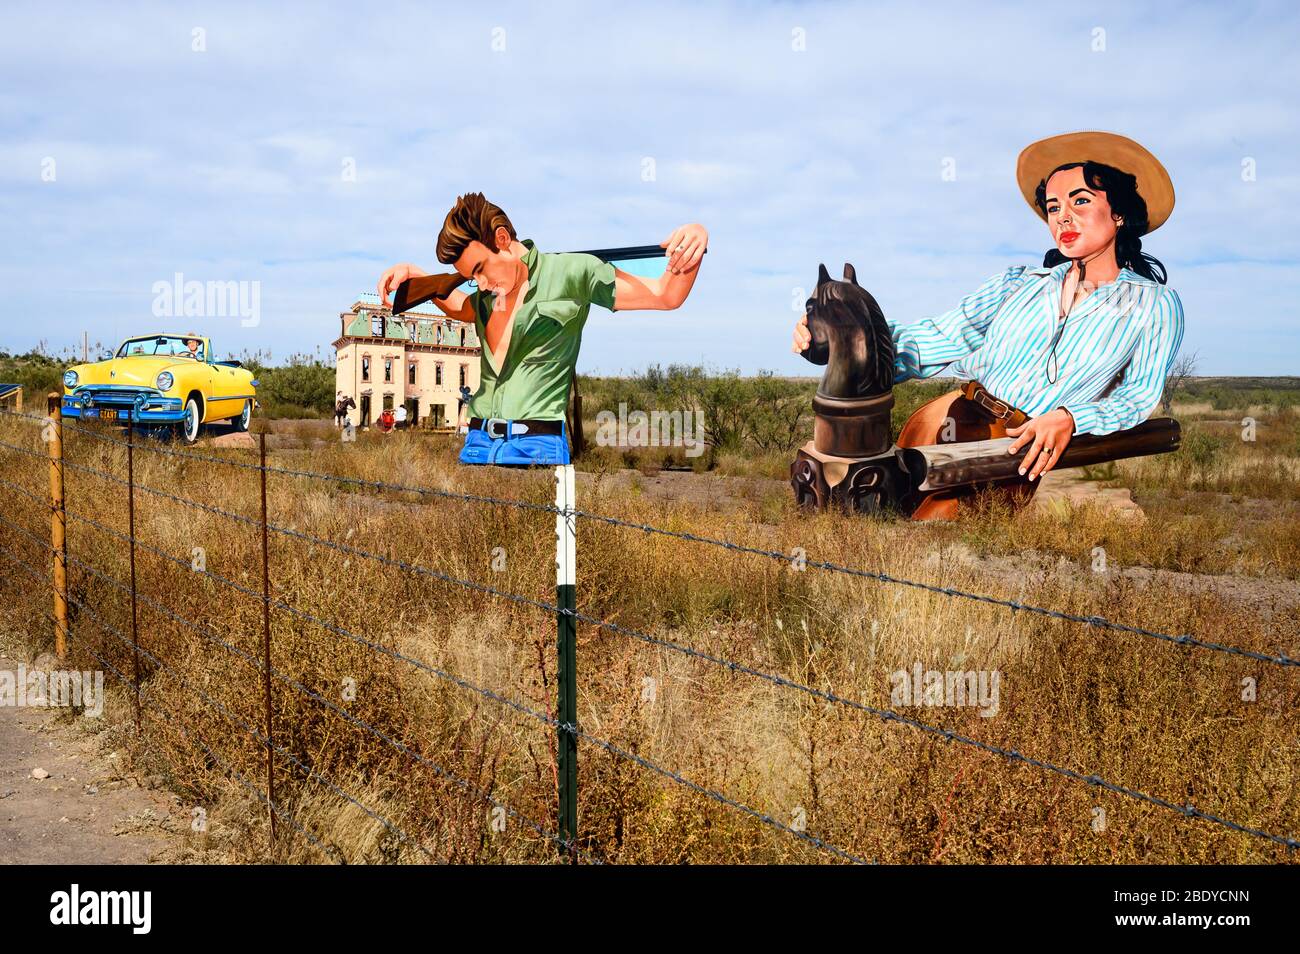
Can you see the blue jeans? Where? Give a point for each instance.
(521, 450)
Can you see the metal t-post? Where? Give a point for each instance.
(566, 646)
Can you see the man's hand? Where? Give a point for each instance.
(685, 247)
(389, 281)
(802, 336)
(1050, 434)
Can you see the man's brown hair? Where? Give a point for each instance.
(472, 218)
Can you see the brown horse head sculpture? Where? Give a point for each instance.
(849, 336)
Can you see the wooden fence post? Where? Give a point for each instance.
(58, 521)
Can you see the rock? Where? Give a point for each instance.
(238, 439)
(40, 773)
(1064, 489)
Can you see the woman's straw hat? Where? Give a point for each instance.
(1038, 159)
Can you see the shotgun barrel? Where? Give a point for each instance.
(626, 253)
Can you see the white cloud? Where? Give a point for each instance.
(227, 163)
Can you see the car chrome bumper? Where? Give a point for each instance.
(124, 408)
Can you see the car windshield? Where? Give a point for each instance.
(163, 345)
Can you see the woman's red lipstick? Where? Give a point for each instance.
(1068, 237)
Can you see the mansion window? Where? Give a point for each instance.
(437, 374)
(365, 367)
(388, 370)
(410, 373)
(464, 374)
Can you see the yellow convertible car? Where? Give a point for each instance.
(167, 380)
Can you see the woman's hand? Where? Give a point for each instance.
(802, 336)
(1050, 434)
(685, 247)
(395, 276)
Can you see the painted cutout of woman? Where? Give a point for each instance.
(1080, 345)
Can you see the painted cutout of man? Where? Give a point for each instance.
(529, 310)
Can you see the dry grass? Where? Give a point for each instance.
(1141, 713)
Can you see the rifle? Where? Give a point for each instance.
(416, 291)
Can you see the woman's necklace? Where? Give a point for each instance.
(1053, 370)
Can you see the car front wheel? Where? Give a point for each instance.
(245, 418)
(193, 420)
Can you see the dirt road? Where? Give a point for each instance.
(84, 812)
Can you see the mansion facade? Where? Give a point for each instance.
(422, 360)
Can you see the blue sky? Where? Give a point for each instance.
(227, 164)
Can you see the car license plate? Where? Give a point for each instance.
(105, 415)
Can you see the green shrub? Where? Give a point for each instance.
(302, 387)
(39, 374)
(1199, 450)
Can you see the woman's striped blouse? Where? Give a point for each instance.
(1111, 359)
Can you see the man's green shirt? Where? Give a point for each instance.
(537, 369)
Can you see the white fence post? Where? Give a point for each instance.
(566, 626)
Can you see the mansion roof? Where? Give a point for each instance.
(422, 327)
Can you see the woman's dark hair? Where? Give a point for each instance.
(1122, 194)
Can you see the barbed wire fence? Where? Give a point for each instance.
(564, 832)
